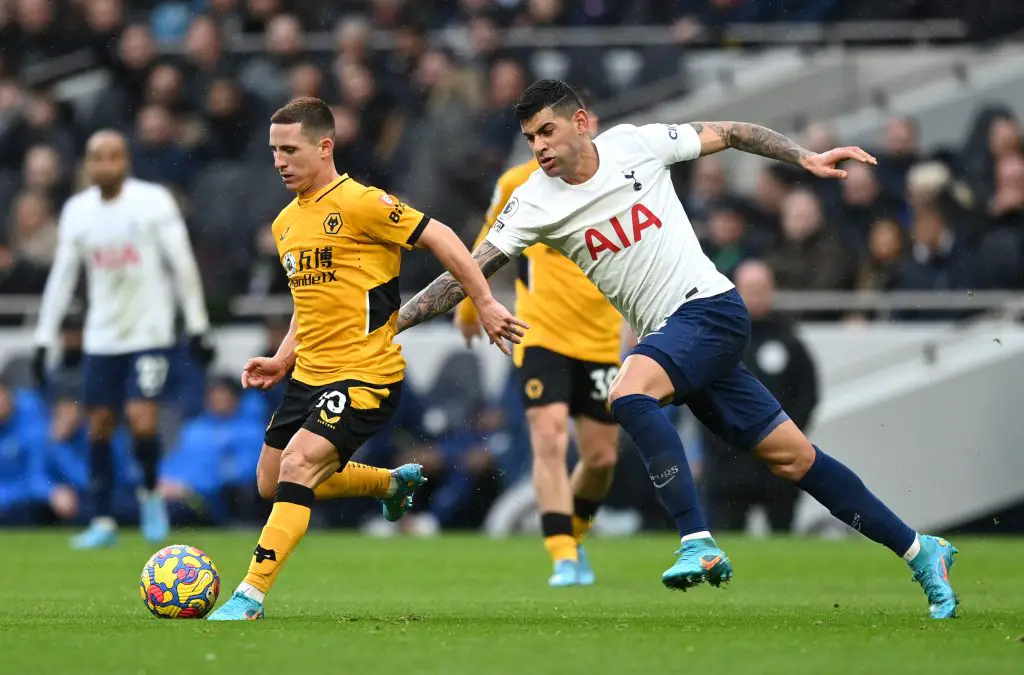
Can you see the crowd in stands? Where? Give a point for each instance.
(431, 121)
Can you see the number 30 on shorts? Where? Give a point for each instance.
(603, 378)
(331, 405)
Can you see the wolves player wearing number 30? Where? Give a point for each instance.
(608, 204)
(128, 233)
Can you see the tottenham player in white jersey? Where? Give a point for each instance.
(609, 205)
(131, 238)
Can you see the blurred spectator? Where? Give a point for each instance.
(45, 124)
(265, 274)
(862, 201)
(18, 276)
(257, 15)
(994, 133)
(306, 79)
(352, 154)
(104, 20)
(155, 155)
(44, 174)
(1008, 193)
(136, 58)
(227, 15)
(810, 255)
(465, 470)
(351, 39)
(33, 119)
(729, 241)
(774, 183)
(820, 137)
(266, 75)
(442, 175)
(887, 247)
(379, 116)
(208, 477)
(166, 88)
(735, 481)
(24, 490)
(498, 124)
(1001, 252)
(205, 60)
(899, 152)
(708, 185)
(938, 260)
(37, 39)
(229, 121)
(482, 46)
(410, 44)
(33, 230)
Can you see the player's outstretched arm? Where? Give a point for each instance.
(445, 292)
(757, 140)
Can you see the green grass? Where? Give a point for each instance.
(346, 604)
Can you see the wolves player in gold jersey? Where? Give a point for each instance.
(565, 364)
(340, 244)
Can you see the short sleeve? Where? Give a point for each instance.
(388, 219)
(517, 227)
(670, 143)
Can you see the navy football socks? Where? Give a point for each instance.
(846, 497)
(663, 453)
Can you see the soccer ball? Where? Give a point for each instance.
(179, 582)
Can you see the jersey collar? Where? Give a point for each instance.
(316, 196)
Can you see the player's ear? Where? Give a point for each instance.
(581, 120)
(326, 146)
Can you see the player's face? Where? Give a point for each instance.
(555, 140)
(106, 162)
(297, 156)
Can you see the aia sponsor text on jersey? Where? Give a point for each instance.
(622, 236)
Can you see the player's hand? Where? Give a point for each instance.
(263, 372)
(201, 349)
(39, 365)
(470, 329)
(823, 165)
(499, 324)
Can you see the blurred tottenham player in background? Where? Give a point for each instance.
(132, 240)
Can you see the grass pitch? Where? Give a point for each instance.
(347, 604)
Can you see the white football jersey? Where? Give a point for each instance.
(625, 227)
(131, 247)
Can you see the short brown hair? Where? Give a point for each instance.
(314, 115)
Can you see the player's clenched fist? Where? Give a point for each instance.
(263, 372)
(500, 324)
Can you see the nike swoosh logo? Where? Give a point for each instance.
(285, 233)
(708, 564)
(670, 479)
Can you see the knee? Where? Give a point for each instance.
(298, 465)
(791, 464)
(101, 425)
(550, 444)
(618, 389)
(266, 484)
(602, 460)
(143, 423)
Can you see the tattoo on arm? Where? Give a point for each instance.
(755, 139)
(445, 292)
